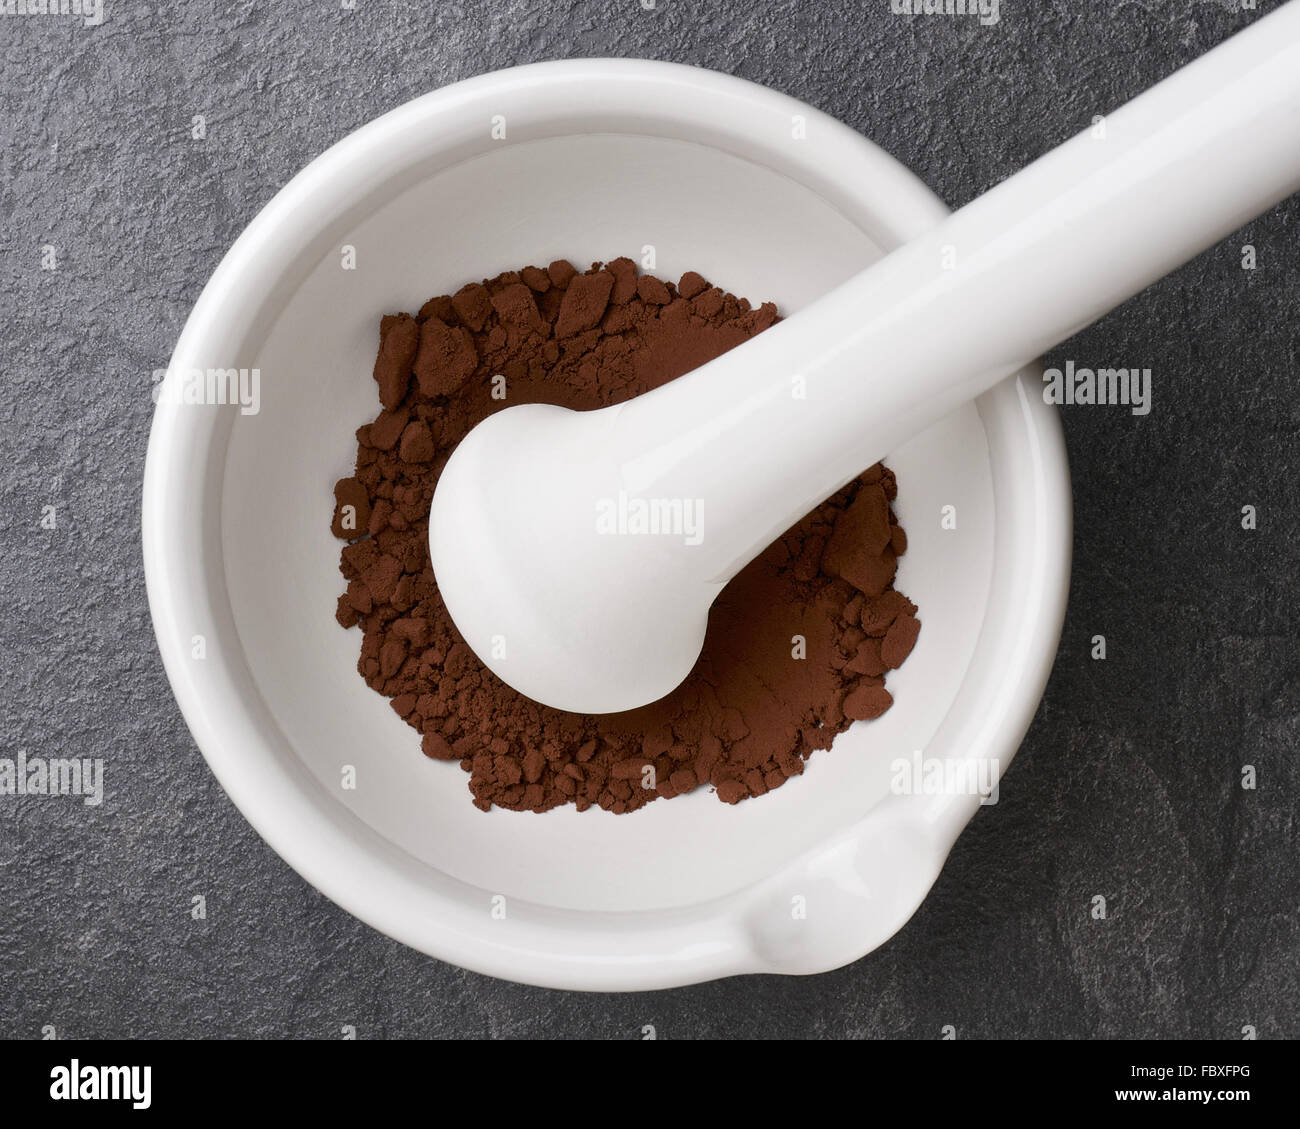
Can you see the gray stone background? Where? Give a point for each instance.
(1128, 784)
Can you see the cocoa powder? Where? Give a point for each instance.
(798, 644)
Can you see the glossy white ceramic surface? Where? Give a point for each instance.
(589, 617)
(237, 546)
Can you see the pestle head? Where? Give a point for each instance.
(536, 548)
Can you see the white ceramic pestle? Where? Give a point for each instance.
(537, 525)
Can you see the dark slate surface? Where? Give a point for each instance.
(1128, 785)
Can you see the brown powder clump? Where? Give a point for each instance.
(798, 645)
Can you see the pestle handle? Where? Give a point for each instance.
(947, 316)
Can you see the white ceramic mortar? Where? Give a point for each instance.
(764, 196)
